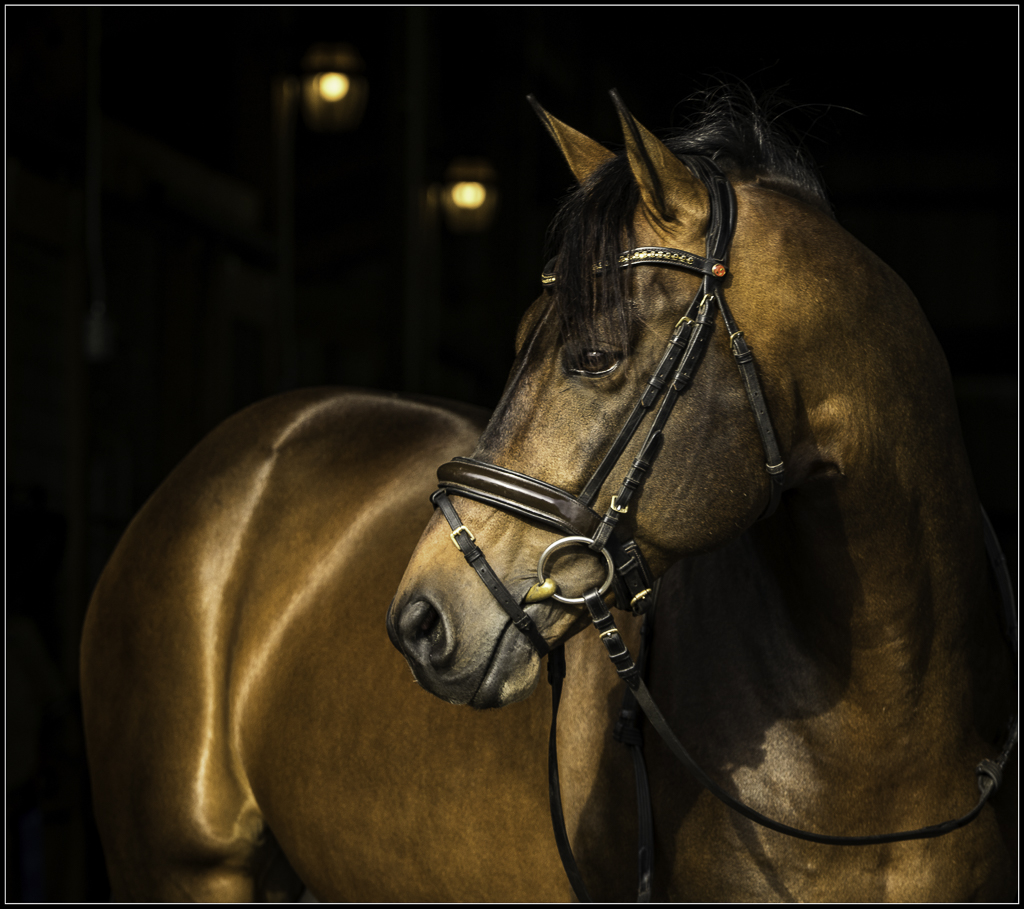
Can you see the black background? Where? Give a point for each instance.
(911, 114)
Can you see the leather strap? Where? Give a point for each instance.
(682, 365)
(556, 673)
(473, 554)
(674, 352)
(745, 361)
(533, 499)
(618, 653)
(712, 267)
(682, 376)
(988, 773)
(627, 730)
(635, 587)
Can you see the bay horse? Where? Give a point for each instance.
(779, 482)
(250, 729)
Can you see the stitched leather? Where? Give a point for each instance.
(519, 494)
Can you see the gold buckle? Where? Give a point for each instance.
(457, 531)
(640, 595)
(615, 506)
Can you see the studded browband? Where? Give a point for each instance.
(651, 255)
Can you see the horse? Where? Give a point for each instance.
(755, 453)
(250, 731)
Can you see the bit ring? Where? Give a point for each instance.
(570, 541)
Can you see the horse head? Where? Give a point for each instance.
(632, 327)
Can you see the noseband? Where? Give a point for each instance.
(634, 586)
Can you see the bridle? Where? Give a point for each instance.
(535, 500)
(627, 571)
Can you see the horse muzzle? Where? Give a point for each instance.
(448, 663)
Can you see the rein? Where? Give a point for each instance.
(634, 586)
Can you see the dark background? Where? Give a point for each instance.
(231, 271)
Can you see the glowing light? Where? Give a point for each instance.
(469, 194)
(333, 86)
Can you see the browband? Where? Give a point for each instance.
(653, 255)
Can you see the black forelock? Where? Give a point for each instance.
(595, 223)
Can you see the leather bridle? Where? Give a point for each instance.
(634, 586)
(565, 513)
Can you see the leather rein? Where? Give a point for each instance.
(630, 578)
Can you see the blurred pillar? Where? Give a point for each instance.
(286, 97)
(85, 338)
(420, 307)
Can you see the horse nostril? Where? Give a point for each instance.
(420, 634)
(429, 621)
(417, 621)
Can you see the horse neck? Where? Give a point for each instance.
(868, 587)
(876, 555)
(881, 577)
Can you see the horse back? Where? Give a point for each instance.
(242, 702)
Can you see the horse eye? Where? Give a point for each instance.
(596, 362)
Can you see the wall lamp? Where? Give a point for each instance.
(469, 196)
(334, 88)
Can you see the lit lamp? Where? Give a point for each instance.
(469, 197)
(334, 88)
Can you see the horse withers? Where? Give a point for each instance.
(250, 729)
(779, 481)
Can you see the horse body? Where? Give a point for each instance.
(249, 727)
(840, 666)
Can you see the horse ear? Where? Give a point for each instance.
(655, 167)
(582, 154)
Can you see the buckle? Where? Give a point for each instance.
(457, 531)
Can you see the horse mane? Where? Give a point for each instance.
(595, 223)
